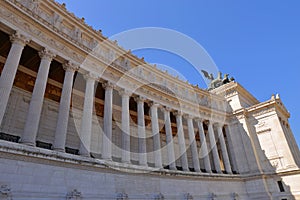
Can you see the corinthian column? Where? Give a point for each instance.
(214, 148)
(203, 149)
(125, 126)
(64, 108)
(36, 103)
(108, 106)
(85, 133)
(193, 143)
(10, 69)
(224, 149)
(156, 135)
(169, 139)
(181, 141)
(141, 131)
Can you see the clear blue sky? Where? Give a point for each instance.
(257, 42)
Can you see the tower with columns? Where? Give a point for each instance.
(79, 123)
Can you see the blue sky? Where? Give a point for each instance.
(257, 42)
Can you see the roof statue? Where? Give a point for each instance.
(217, 82)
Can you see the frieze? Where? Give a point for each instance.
(263, 111)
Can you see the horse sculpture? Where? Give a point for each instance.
(217, 82)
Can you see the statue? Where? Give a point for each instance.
(217, 82)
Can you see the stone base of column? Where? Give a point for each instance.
(126, 162)
(143, 165)
(28, 143)
(84, 153)
(186, 170)
(59, 150)
(198, 170)
(106, 159)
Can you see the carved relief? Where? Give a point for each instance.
(5, 192)
(74, 195)
(122, 196)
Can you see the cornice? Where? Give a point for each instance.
(234, 88)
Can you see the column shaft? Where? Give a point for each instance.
(87, 116)
(181, 142)
(9, 71)
(64, 108)
(107, 136)
(214, 148)
(169, 140)
(37, 98)
(141, 132)
(156, 136)
(203, 151)
(224, 150)
(125, 127)
(193, 144)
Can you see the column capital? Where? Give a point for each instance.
(219, 125)
(188, 116)
(46, 54)
(178, 113)
(70, 66)
(209, 122)
(140, 99)
(167, 109)
(91, 76)
(125, 93)
(199, 120)
(108, 85)
(18, 38)
(154, 104)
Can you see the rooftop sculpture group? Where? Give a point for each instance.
(217, 82)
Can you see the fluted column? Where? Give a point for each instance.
(214, 148)
(169, 139)
(181, 142)
(203, 150)
(108, 108)
(10, 69)
(156, 135)
(87, 115)
(141, 131)
(64, 108)
(37, 98)
(193, 143)
(125, 126)
(224, 149)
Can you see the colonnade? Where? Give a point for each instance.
(35, 107)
